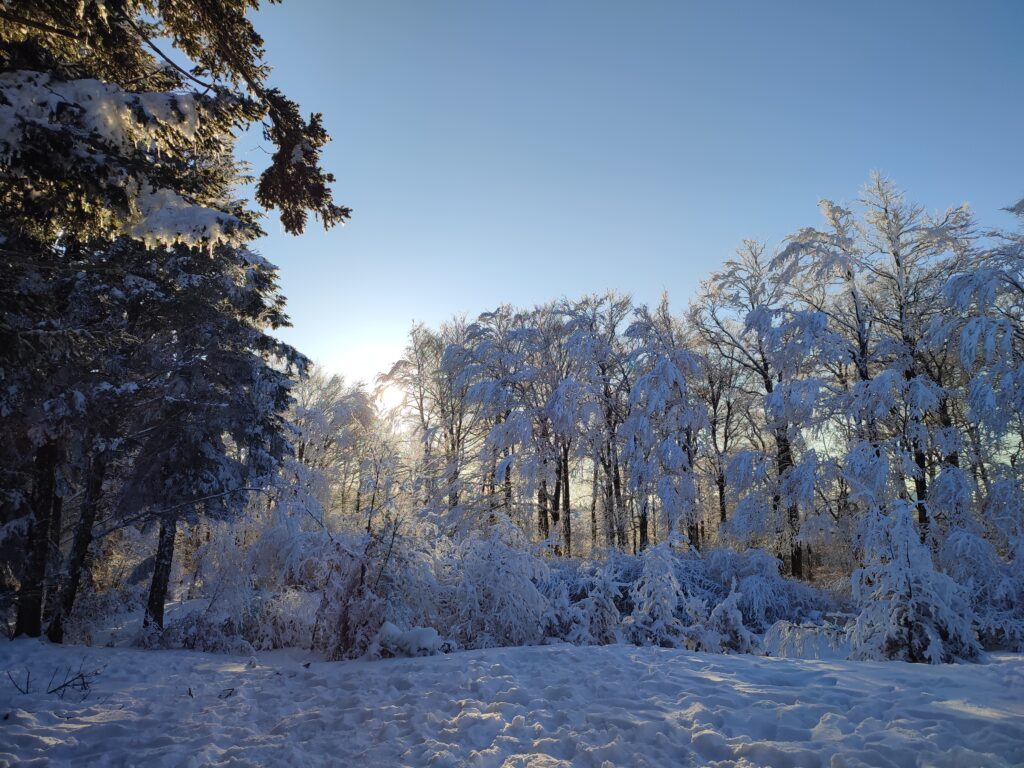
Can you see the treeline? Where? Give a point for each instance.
(815, 401)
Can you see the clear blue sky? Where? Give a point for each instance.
(521, 151)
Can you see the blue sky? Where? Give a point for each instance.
(521, 151)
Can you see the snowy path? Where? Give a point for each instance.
(547, 706)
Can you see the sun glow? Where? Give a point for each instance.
(389, 397)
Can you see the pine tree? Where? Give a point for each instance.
(133, 335)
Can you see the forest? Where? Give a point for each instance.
(776, 521)
(824, 441)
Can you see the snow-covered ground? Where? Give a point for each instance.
(541, 706)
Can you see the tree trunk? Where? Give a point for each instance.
(921, 490)
(161, 573)
(30, 594)
(54, 555)
(946, 420)
(453, 485)
(785, 463)
(720, 483)
(643, 532)
(555, 510)
(493, 504)
(797, 561)
(543, 526)
(977, 462)
(593, 510)
(920, 459)
(609, 506)
(566, 514)
(80, 547)
(508, 483)
(620, 522)
(693, 532)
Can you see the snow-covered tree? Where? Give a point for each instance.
(746, 317)
(660, 433)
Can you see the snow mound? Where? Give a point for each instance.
(537, 706)
(418, 641)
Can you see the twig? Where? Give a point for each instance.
(148, 512)
(79, 681)
(28, 681)
(168, 59)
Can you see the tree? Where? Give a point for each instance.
(661, 430)
(115, 181)
(745, 317)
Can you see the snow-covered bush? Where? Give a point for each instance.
(656, 597)
(725, 626)
(563, 617)
(350, 613)
(718, 629)
(407, 574)
(276, 581)
(909, 611)
(993, 585)
(765, 595)
(201, 630)
(495, 599)
(600, 621)
(825, 640)
(281, 619)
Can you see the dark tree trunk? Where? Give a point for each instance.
(797, 561)
(508, 484)
(30, 594)
(620, 507)
(593, 510)
(453, 488)
(491, 484)
(543, 525)
(921, 460)
(693, 531)
(609, 504)
(161, 573)
(946, 420)
(54, 556)
(555, 501)
(720, 482)
(566, 514)
(921, 490)
(643, 528)
(80, 547)
(785, 463)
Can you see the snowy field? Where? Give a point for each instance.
(541, 706)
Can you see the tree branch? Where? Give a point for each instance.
(38, 25)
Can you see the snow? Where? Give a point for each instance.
(537, 706)
(165, 217)
(102, 118)
(105, 111)
(419, 641)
